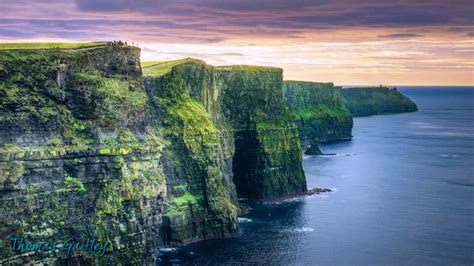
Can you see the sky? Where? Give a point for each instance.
(359, 42)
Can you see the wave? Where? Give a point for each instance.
(336, 155)
(168, 250)
(301, 230)
(447, 155)
(425, 125)
(244, 220)
(294, 199)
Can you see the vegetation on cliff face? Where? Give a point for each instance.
(246, 105)
(320, 112)
(199, 204)
(267, 159)
(77, 152)
(376, 100)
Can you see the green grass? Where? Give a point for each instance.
(159, 69)
(48, 45)
(186, 199)
(151, 63)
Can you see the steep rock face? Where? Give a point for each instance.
(202, 201)
(320, 113)
(267, 159)
(246, 105)
(78, 157)
(376, 100)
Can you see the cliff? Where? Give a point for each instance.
(198, 166)
(321, 115)
(78, 156)
(245, 104)
(376, 100)
(90, 148)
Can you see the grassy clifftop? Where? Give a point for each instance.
(158, 69)
(376, 100)
(49, 45)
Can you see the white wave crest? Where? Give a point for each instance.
(304, 229)
(166, 250)
(449, 155)
(337, 155)
(244, 220)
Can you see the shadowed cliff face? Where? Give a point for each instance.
(267, 160)
(376, 100)
(320, 113)
(246, 105)
(202, 200)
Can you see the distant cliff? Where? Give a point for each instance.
(376, 100)
(320, 112)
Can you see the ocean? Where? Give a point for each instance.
(403, 194)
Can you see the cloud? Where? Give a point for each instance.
(104, 5)
(232, 54)
(311, 39)
(400, 35)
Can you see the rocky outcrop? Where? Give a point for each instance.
(376, 100)
(321, 115)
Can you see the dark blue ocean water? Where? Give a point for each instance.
(403, 195)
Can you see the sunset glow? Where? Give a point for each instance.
(368, 42)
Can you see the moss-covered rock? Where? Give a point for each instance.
(78, 157)
(376, 100)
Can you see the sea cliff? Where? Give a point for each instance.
(91, 148)
(94, 146)
(321, 115)
(79, 157)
